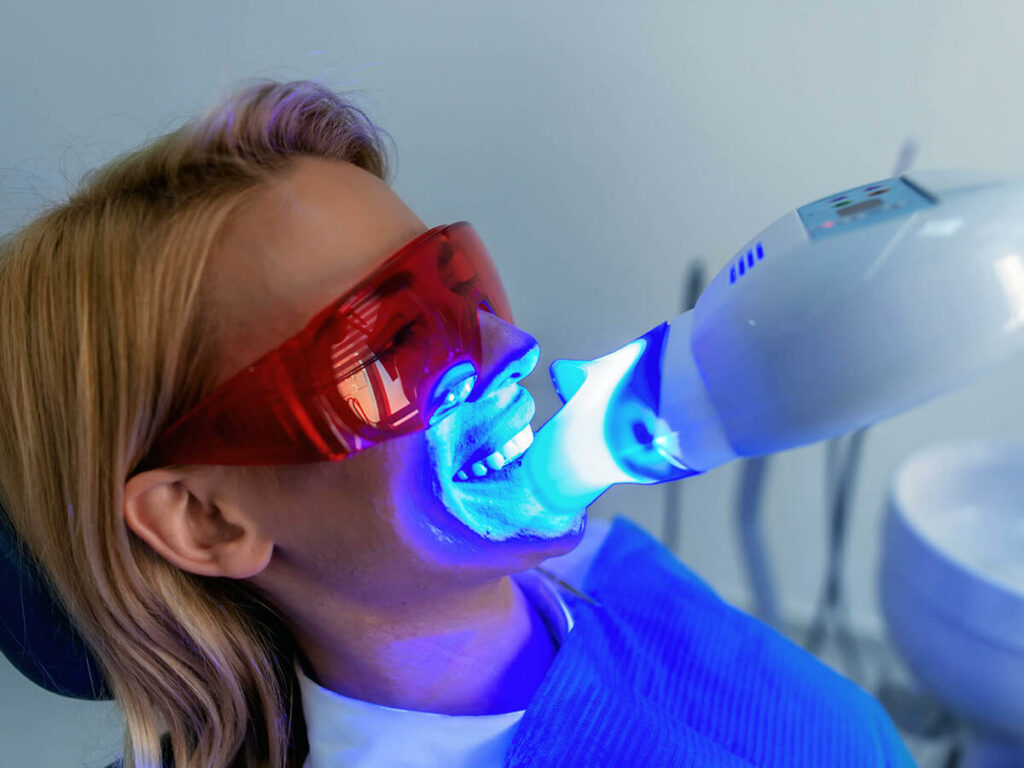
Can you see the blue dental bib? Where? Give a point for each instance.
(659, 671)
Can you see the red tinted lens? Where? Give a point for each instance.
(360, 372)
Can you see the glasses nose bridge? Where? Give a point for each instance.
(507, 353)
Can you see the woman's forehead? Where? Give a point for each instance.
(295, 246)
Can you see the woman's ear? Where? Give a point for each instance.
(174, 512)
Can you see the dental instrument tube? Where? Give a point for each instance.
(841, 313)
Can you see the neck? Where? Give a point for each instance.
(478, 650)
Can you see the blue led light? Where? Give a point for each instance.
(609, 431)
(745, 262)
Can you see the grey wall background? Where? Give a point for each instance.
(599, 147)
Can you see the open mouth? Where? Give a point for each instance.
(490, 464)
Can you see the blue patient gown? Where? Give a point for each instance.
(662, 672)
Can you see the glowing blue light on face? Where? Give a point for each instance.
(500, 505)
(608, 432)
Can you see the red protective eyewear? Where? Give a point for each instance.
(363, 370)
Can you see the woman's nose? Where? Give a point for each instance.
(508, 354)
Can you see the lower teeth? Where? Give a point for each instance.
(465, 476)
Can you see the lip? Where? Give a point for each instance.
(505, 425)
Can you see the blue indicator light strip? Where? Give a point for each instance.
(746, 262)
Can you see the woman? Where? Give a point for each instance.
(165, 274)
(261, 428)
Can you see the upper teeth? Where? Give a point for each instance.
(510, 451)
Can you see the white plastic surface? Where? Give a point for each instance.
(966, 500)
(823, 337)
(702, 444)
(952, 586)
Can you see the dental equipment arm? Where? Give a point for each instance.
(840, 314)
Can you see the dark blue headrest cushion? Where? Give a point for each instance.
(35, 633)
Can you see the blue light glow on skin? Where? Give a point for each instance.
(500, 505)
(407, 490)
(433, 656)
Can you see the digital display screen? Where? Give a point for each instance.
(859, 207)
(862, 206)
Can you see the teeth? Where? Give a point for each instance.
(524, 439)
(511, 450)
(507, 452)
(517, 446)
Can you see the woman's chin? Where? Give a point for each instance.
(503, 510)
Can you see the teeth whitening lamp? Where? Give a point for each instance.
(839, 314)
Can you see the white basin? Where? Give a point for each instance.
(952, 587)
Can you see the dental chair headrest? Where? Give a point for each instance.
(35, 633)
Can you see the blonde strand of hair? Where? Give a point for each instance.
(105, 343)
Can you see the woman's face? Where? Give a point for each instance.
(401, 507)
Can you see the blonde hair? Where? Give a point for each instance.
(104, 342)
